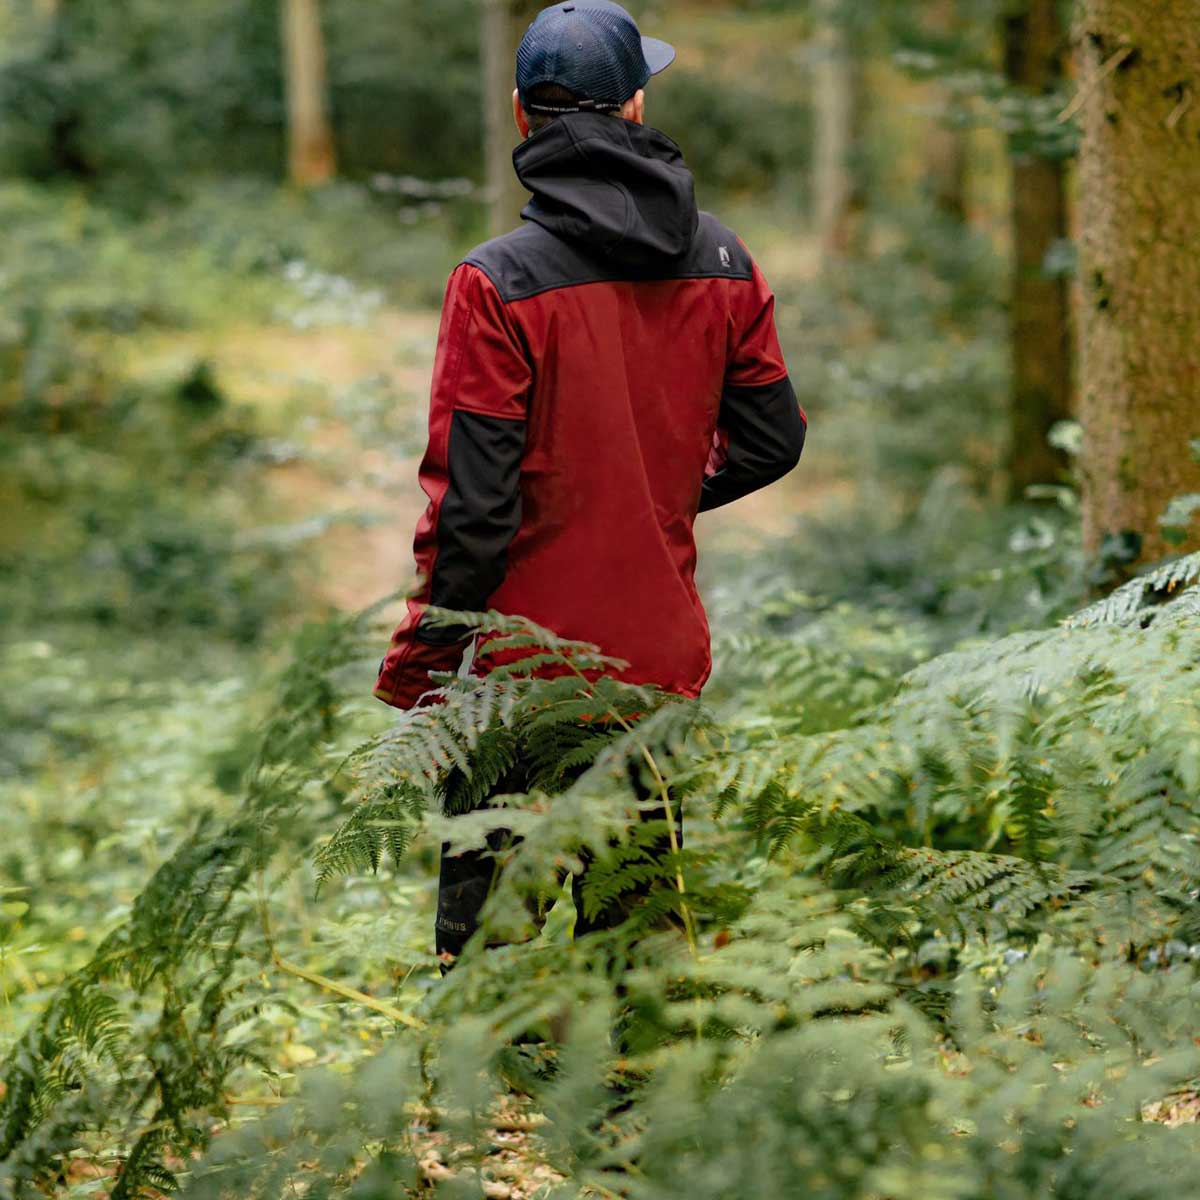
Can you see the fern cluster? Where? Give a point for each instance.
(927, 936)
(135, 1041)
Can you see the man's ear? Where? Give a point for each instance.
(634, 109)
(519, 115)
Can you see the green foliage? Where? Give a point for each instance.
(738, 139)
(129, 99)
(929, 929)
(132, 491)
(128, 95)
(963, 53)
(149, 1013)
(405, 87)
(236, 249)
(127, 481)
(1139, 601)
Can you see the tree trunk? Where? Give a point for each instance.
(311, 158)
(1140, 266)
(946, 145)
(504, 24)
(1039, 312)
(837, 112)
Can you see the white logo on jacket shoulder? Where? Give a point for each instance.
(723, 251)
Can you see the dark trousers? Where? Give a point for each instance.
(465, 880)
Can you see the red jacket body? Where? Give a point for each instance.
(603, 373)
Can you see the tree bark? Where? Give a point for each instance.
(1139, 68)
(311, 157)
(838, 106)
(1039, 303)
(503, 25)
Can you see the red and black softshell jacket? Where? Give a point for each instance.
(603, 373)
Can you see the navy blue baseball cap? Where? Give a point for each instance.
(593, 49)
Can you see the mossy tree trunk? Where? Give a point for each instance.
(1039, 308)
(311, 156)
(1139, 68)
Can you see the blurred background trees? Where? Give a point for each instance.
(311, 154)
(839, 102)
(941, 134)
(946, 157)
(503, 25)
(1035, 45)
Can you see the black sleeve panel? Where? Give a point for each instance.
(479, 515)
(765, 430)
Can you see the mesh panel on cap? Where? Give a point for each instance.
(609, 67)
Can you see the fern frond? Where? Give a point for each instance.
(387, 822)
(1128, 604)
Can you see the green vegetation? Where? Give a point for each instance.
(934, 928)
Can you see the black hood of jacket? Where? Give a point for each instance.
(616, 188)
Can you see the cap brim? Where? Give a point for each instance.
(659, 55)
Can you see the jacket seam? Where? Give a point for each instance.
(513, 297)
(750, 387)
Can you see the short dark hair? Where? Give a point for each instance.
(550, 94)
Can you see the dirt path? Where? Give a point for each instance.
(345, 406)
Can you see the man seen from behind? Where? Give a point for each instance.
(604, 373)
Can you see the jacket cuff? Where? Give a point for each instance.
(404, 672)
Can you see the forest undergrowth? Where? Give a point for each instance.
(933, 929)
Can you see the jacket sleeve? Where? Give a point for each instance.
(471, 475)
(760, 426)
